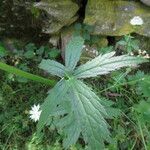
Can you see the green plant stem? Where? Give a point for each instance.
(134, 144)
(122, 84)
(141, 132)
(117, 82)
(129, 119)
(6, 144)
(26, 75)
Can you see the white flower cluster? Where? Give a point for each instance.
(35, 112)
(144, 54)
(136, 21)
(90, 49)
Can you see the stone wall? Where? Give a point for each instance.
(118, 17)
(32, 18)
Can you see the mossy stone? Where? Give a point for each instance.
(102, 42)
(59, 13)
(146, 2)
(112, 17)
(144, 42)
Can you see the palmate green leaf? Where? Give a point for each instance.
(73, 52)
(90, 114)
(104, 64)
(52, 67)
(71, 129)
(72, 106)
(58, 112)
(49, 107)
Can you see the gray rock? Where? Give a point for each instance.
(114, 17)
(23, 19)
(59, 13)
(147, 2)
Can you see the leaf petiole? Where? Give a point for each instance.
(26, 75)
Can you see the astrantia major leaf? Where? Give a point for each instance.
(52, 67)
(71, 129)
(90, 114)
(73, 52)
(104, 64)
(49, 107)
(76, 109)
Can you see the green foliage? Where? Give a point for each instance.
(15, 101)
(54, 53)
(31, 51)
(3, 51)
(85, 31)
(21, 58)
(124, 89)
(35, 12)
(142, 114)
(106, 49)
(103, 64)
(75, 45)
(53, 67)
(143, 83)
(143, 111)
(144, 86)
(71, 106)
(129, 43)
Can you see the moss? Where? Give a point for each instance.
(113, 17)
(58, 14)
(102, 42)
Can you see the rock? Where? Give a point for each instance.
(12, 44)
(144, 43)
(17, 20)
(23, 20)
(59, 13)
(146, 2)
(102, 42)
(118, 17)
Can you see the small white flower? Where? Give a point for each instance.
(96, 53)
(35, 112)
(147, 56)
(136, 20)
(139, 51)
(84, 46)
(144, 52)
(131, 53)
(86, 49)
